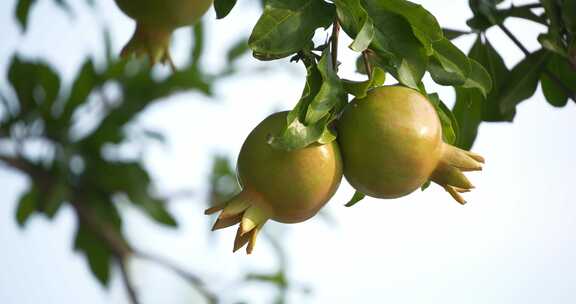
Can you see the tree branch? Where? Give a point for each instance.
(334, 43)
(367, 65)
(132, 295)
(558, 81)
(190, 277)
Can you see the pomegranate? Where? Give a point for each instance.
(285, 186)
(155, 22)
(391, 144)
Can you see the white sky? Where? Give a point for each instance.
(513, 243)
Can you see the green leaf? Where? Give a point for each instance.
(425, 185)
(423, 23)
(36, 84)
(198, 47)
(331, 97)
(98, 256)
(522, 81)
(553, 44)
(237, 50)
(451, 34)
(358, 196)
(468, 112)
(223, 181)
(484, 53)
(560, 68)
(396, 46)
(359, 88)
(223, 7)
(447, 119)
(84, 83)
(569, 17)
(287, 27)
(362, 41)
(478, 78)
(155, 209)
(55, 198)
(23, 11)
(321, 101)
(27, 204)
(452, 68)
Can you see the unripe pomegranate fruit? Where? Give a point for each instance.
(391, 143)
(155, 22)
(285, 186)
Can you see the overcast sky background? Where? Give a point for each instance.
(513, 243)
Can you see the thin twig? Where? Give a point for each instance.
(334, 43)
(132, 295)
(108, 234)
(367, 65)
(529, 6)
(547, 72)
(171, 62)
(190, 277)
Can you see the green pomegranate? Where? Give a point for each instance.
(391, 144)
(155, 22)
(285, 186)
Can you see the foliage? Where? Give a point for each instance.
(395, 37)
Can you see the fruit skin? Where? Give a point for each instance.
(391, 144)
(155, 22)
(294, 185)
(285, 186)
(166, 14)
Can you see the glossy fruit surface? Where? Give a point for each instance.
(285, 186)
(391, 143)
(168, 14)
(155, 22)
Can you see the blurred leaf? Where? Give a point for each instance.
(238, 49)
(131, 179)
(223, 181)
(478, 78)
(287, 27)
(84, 83)
(447, 119)
(35, 84)
(468, 112)
(486, 14)
(97, 254)
(155, 135)
(278, 279)
(569, 17)
(27, 204)
(488, 57)
(198, 39)
(552, 44)
(358, 196)
(223, 7)
(522, 82)
(451, 34)
(425, 185)
(560, 68)
(22, 12)
(54, 198)
(359, 88)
